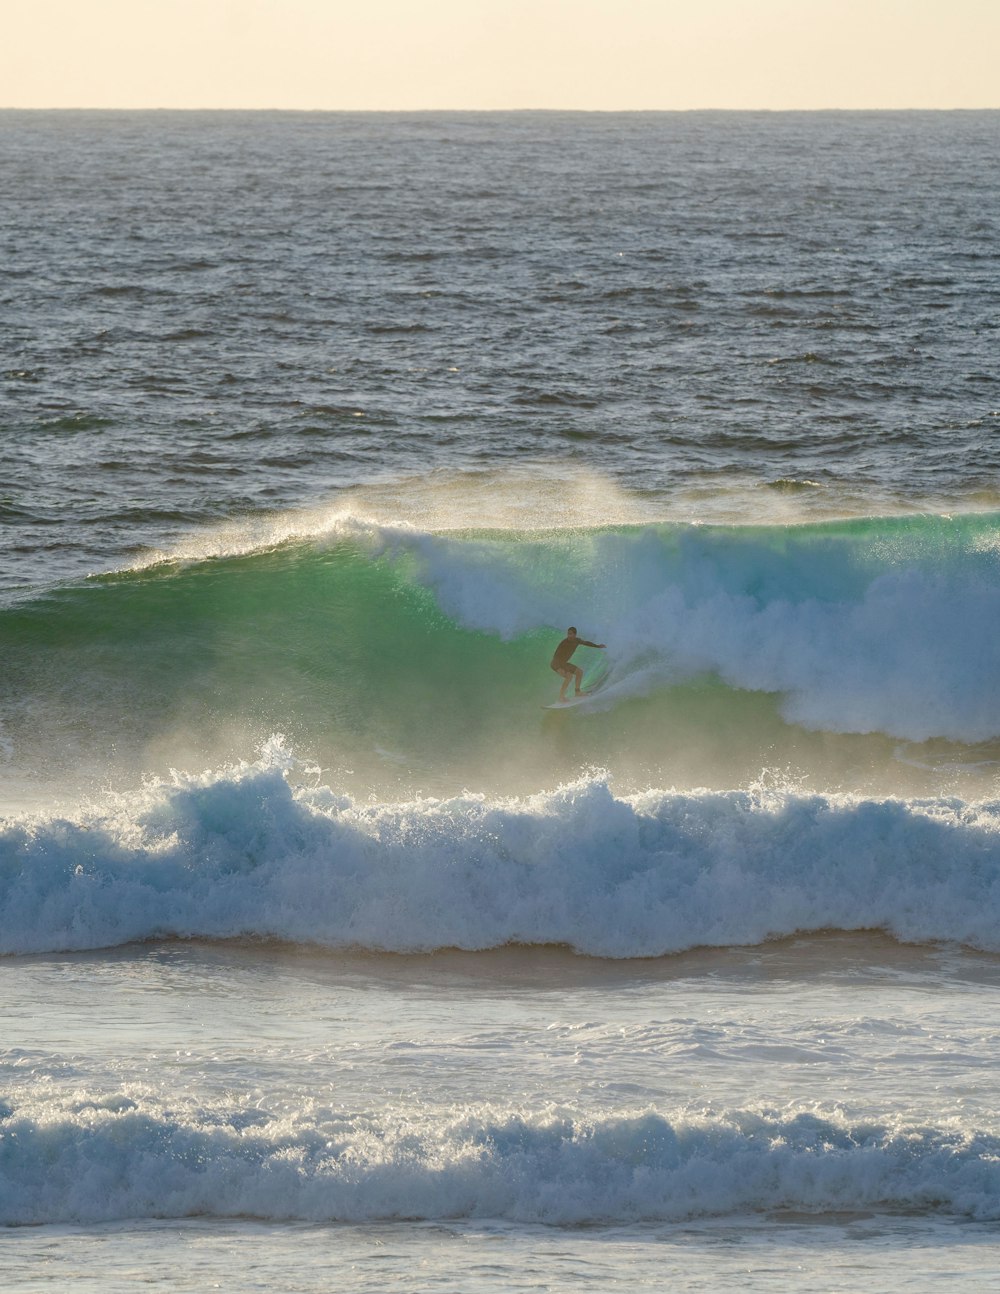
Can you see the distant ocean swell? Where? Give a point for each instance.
(117, 1158)
(885, 626)
(247, 853)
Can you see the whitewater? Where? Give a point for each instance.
(329, 954)
(245, 854)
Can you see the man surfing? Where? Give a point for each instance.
(560, 661)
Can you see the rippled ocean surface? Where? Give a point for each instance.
(332, 959)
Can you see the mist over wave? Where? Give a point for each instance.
(415, 661)
(249, 853)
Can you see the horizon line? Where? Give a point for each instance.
(592, 112)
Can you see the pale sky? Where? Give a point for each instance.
(489, 54)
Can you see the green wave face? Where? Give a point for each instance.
(406, 662)
(344, 653)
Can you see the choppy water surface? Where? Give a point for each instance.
(213, 313)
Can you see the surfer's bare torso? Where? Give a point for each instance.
(561, 660)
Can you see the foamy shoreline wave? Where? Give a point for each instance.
(116, 1158)
(248, 852)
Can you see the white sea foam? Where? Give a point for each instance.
(110, 1158)
(247, 852)
(858, 634)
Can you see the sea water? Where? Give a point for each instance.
(330, 958)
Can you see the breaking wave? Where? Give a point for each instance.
(885, 626)
(118, 1157)
(249, 852)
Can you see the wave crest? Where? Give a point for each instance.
(249, 853)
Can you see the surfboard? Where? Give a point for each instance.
(568, 703)
(948, 757)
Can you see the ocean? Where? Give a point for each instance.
(331, 957)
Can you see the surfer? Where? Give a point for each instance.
(560, 661)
